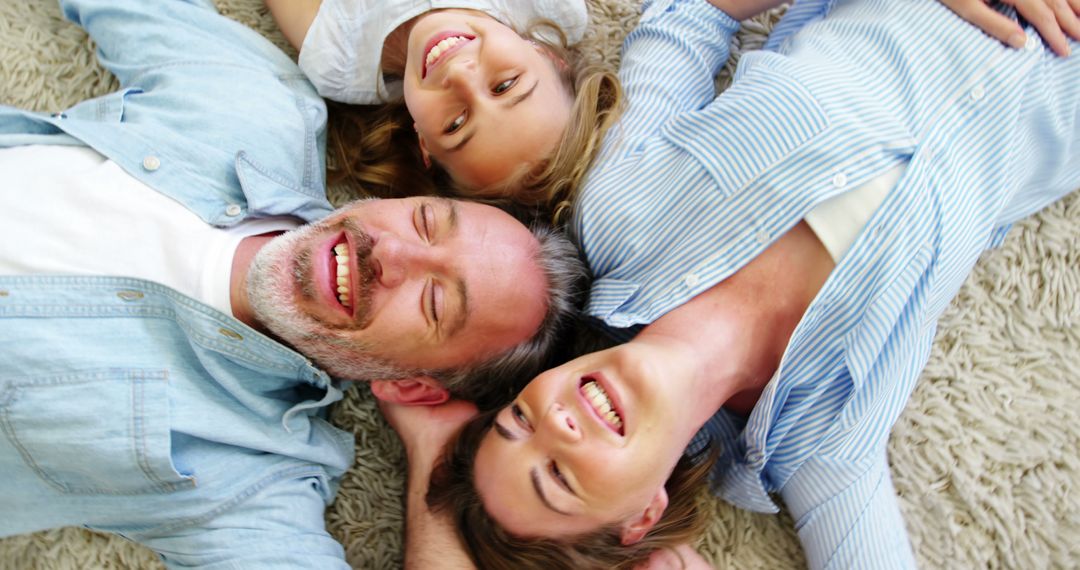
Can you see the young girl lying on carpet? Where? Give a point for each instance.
(483, 98)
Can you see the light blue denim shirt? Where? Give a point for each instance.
(128, 407)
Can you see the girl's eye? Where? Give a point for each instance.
(455, 124)
(519, 416)
(559, 476)
(504, 86)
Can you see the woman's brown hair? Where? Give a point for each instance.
(453, 492)
(374, 150)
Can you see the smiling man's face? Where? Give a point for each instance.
(383, 289)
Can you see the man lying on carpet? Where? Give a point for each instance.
(151, 307)
(790, 245)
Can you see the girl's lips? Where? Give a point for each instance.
(434, 41)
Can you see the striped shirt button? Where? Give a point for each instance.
(840, 180)
(232, 210)
(1031, 43)
(151, 163)
(977, 93)
(762, 237)
(691, 280)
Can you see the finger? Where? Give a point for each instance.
(1067, 16)
(1038, 14)
(990, 21)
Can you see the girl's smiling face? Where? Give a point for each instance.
(487, 103)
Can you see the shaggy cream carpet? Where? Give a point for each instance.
(986, 458)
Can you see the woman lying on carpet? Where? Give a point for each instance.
(794, 241)
(509, 117)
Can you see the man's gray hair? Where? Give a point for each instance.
(494, 381)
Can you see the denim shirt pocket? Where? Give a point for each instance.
(94, 432)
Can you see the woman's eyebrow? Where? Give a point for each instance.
(504, 433)
(534, 474)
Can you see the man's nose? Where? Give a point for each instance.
(397, 260)
(562, 424)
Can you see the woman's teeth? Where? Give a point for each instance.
(442, 46)
(341, 256)
(602, 403)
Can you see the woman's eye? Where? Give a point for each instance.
(455, 124)
(504, 86)
(519, 416)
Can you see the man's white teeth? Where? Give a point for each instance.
(341, 255)
(442, 46)
(602, 403)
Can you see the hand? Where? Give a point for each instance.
(665, 559)
(1052, 18)
(743, 9)
(425, 430)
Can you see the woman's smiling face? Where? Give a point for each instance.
(588, 444)
(487, 103)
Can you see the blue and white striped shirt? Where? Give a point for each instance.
(693, 186)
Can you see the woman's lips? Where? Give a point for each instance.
(602, 404)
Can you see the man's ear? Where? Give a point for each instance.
(636, 528)
(423, 148)
(416, 391)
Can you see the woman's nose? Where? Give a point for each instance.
(563, 424)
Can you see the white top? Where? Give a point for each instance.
(68, 210)
(342, 50)
(840, 219)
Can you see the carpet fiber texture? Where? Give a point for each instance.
(986, 457)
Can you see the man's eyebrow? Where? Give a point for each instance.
(460, 317)
(462, 313)
(534, 474)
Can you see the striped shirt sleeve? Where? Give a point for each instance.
(847, 515)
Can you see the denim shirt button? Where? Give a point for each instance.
(151, 163)
(230, 333)
(129, 296)
(232, 210)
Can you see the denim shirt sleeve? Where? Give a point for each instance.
(280, 527)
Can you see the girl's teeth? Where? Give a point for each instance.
(441, 47)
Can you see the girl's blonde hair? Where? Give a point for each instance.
(452, 491)
(374, 151)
